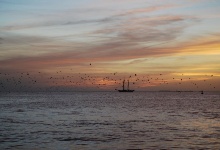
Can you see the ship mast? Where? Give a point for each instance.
(123, 85)
(128, 84)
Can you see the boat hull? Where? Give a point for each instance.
(125, 90)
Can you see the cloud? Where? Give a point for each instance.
(1, 39)
(98, 54)
(121, 36)
(134, 31)
(70, 17)
(134, 38)
(137, 61)
(147, 9)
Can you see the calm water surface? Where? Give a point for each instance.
(110, 120)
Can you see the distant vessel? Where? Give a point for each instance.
(123, 90)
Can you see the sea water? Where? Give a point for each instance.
(110, 120)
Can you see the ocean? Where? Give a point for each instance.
(109, 120)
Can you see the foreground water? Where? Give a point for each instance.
(110, 120)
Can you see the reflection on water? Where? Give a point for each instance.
(110, 120)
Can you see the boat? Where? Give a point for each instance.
(123, 90)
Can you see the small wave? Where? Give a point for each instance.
(133, 149)
(211, 115)
(88, 139)
(92, 123)
(10, 120)
(20, 110)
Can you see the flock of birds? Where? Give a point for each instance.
(63, 81)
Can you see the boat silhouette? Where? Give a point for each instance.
(123, 90)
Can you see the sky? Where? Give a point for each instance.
(96, 44)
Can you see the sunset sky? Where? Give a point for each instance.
(95, 44)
